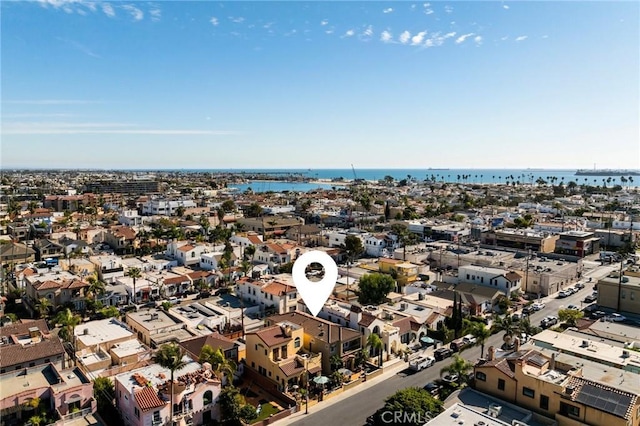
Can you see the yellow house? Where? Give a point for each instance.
(534, 381)
(403, 272)
(277, 353)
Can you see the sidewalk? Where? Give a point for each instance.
(390, 370)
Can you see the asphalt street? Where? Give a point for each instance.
(354, 410)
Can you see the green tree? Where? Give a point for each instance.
(96, 287)
(375, 345)
(68, 320)
(134, 273)
(336, 362)
(505, 323)
(481, 332)
(228, 206)
(374, 288)
(231, 403)
(222, 366)
(418, 405)
(254, 210)
(458, 366)
(180, 211)
(43, 307)
(110, 312)
(36, 420)
(104, 391)
(570, 316)
(248, 413)
(353, 247)
(171, 357)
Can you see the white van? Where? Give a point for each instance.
(173, 300)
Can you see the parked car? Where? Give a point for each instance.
(615, 318)
(432, 387)
(421, 363)
(516, 317)
(572, 290)
(598, 314)
(564, 293)
(548, 321)
(470, 339)
(573, 307)
(538, 306)
(591, 298)
(203, 295)
(450, 378)
(442, 353)
(528, 310)
(524, 338)
(580, 285)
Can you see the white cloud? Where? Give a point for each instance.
(324, 22)
(478, 40)
(329, 32)
(449, 35)
(388, 10)
(237, 20)
(349, 33)
(428, 11)
(136, 13)
(58, 3)
(108, 10)
(504, 38)
(368, 33)
(214, 21)
(46, 128)
(521, 38)
(267, 25)
(417, 39)
(90, 5)
(506, 7)
(405, 37)
(448, 9)
(386, 36)
(79, 46)
(156, 14)
(462, 38)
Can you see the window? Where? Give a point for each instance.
(501, 384)
(481, 279)
(207, 398)
(136, 412)
(156, 416)
(571, 410)
(529, 392)
(544, 402)
(481, 376)
(296, 342)
(47, 360)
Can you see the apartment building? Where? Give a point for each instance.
(556, 389)
(403, 272)
(109, 268)
(620, 293)
(135, 186)
(323, 336)
(277, 353)
(25, 345)
(155, 327)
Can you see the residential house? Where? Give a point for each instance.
(187, 253)
(403, 272)
(155, 327)
(273, 255)
(30, 344)
(121, 239)
(306, 235)
(155, 207)
(246, 239)
(323, 336)
(505, 281)
(270, 225)
(16, 253)
(272, 296)
(65, 394)
(216, 341)
(58, 287)
(130, 218)
(45, 249)
(277, 353)
(378, 245)
(109, 268)
(143, 395)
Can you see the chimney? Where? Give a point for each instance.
(552, 363)
(491, 353)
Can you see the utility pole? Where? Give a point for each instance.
(620, 274)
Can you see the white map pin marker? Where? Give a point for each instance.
(315, 294)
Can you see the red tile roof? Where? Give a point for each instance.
(186, 248)
(254, 239)
(404, 324)
(176, 280)
(278, 289)
(147, 399)
(272, 335)
(292, 368)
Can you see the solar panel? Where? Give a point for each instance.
(604, 399)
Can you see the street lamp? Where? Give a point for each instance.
(306, 367)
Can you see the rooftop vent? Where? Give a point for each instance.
(569, 390)
(495, 410)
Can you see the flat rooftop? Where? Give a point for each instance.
(96, 332)
(152, 319)
(590, 349)
(34, 378)
(156, 374)
(128, 348)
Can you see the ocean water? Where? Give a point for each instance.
(447, 175)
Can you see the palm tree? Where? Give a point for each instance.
(221, 365)
(43, 306)
(134, 273)
(68, 320)
(459, 366)
(171, 357)
(250, 253)
(481, 333)
(374, 342)
(95, 286)
(506, 324)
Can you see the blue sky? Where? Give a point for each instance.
(320, 84)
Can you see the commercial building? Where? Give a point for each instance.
(577, 243)
(505, 281)
(541, 242)
(620, 293)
